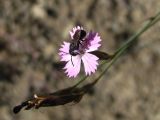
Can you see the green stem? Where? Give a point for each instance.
(146, 26)
(80, 81)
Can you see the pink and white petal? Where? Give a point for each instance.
(90, 63)
(93, 47)
(64, 52)
(65, 47)
(71, 34)
(94, 42)
(72, 70)
(65, 57)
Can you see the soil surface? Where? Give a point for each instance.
(31, 32)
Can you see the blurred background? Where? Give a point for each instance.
(31, 32)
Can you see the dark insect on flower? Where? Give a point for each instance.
(78, 51)
(77, 40)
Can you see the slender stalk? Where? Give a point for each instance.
(80, 81)
(145, 27)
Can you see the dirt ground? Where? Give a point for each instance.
(31, 32)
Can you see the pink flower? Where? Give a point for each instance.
(88, 44)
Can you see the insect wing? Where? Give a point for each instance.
(77, 34)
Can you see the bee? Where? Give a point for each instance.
(77, 40)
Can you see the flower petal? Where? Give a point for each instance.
(72, 69)
(66, 57)
(90, 63)
(94, 39)
(64, 52)
(65, 47)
